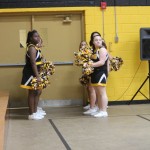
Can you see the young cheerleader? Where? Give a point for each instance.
(100, 74)
(31, 70)
(89, 89)
(82, 45)
(91, 108)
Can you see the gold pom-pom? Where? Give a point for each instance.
(84, 80)
(46, 69)
(116, 63)
(87, 69)
(83, 58)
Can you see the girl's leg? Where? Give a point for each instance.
(102, 97)
(33, 98)
(91, 95)
(31, 101)
(85, 101)
(37, 96)
(92, 98)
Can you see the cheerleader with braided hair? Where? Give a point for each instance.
(31, 69)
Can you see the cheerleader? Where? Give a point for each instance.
(100, 74)
(31, 70)
(92, 107)
(82, 46)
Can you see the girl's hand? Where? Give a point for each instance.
(90, 63)
(85, 65)
(38, 79)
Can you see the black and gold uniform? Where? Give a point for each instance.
(100, 74)
(28, 73)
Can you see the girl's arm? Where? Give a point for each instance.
(109, 56)
(102, 56)
(108, 62)
(108, 66)
(32, 54)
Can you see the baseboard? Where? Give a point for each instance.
(63, 103)
(59, 103)
(128, 102)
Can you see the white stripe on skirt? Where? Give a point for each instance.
(29, 80)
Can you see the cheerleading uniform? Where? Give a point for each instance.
(28, 73)
(100, 74)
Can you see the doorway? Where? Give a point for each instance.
(60, 39)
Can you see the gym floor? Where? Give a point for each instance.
(126, 128)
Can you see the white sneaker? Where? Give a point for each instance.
(34, 116)
(91, 110)
(96, 107)
(96, 111)
(42, 113)
(40, 109)
(86, 107)
(39, 115)
(101, 114)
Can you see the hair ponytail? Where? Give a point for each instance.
(29, 36)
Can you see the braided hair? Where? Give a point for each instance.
(30, 35)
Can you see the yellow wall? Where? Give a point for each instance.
(122, 84)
